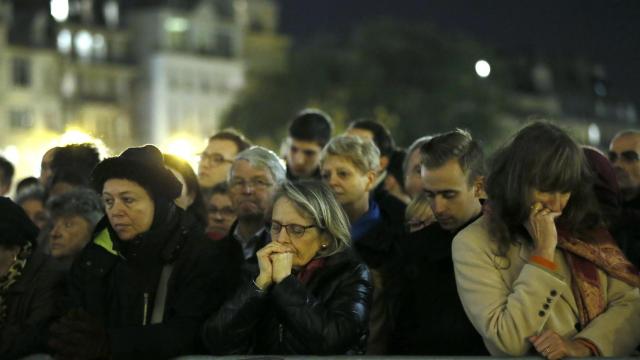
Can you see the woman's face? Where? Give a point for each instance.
(186, 199)
(304, 243)
(69, 235)
(348, 183)
(554, 201)
(129, 207)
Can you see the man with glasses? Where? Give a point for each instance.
(254, 176)
(309, 132)
(624, 153)
(216, 159)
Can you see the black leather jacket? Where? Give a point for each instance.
(327, 316)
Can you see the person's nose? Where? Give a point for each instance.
(283, 236)
(55, 231)
(439, 205)
(117, 209)
(298, 158)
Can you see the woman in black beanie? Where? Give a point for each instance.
(142, 287)
(30, 287)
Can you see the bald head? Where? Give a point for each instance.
(624, 152)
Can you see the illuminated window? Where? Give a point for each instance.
(64, 41)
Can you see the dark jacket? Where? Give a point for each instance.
(627, 231)
(327, 316)
(32, 303)
(117, 282)
(391, 205)
(428, 316)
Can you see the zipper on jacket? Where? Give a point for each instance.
(144, 309)
(280, 332)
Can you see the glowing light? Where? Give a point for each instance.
(83, 43)
(594, 134)
(11, 153)
(176, 24)
(186, 147)
(483, 69)
(64, 41)
(99, 46)
(59, 10)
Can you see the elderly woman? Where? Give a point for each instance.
(142, 287)
(538, 273)
(74, 215)
(311, 296)
(349, 165)
(30, 286)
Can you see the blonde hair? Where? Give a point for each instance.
(314, 199)
(362, 153)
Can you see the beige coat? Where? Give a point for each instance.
(509, 299)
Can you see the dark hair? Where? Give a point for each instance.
(30, 193)
(311, 125)
(233, 135)
(198, 208)
(381, 135)
(395, 167)
(220, 188)
(82, 157)
(457, 144)
(27, 183)
(7, 170)
(541, 156)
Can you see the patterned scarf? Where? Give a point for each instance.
(584, 260)
(12, 276)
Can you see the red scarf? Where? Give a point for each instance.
(584, 260)
(307, 272)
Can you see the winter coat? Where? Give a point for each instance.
(32, 303)
(117, 282)
(326, 316)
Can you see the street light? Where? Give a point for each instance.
(483, 69)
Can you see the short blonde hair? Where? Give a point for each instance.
(314, 199)
(362, 153)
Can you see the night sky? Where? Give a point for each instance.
(605, 32)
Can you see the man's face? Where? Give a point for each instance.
(45, 166)
(452, 200)
(251, 190)
(215, 162)
(623, 153)
(303, 157)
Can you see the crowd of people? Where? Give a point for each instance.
(344, 244)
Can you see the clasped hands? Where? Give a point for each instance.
(275, 263)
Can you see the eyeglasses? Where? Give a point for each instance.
(214, 158)
(224, 212)
(293, 230)
(626, 156)
(257, 184)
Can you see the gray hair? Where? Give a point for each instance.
(78, 202)
(32, 192)
(261, 157)
(414, 147)
(363, 153)
(315, 199)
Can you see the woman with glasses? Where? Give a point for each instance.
(312, 294)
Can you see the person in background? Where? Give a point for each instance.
(26, 184)
(349, 166)
(146, 281)
(32, 201)
(381, 136)
(221, 214)
(190, 198)
(45, 166)
(311, 295)
(6, 175)
(73, 215)
(428, 322)
(624, 154)
(394, 182)
(411, 168)
(309, 132)
(217, 157)
(539, 273)
(31, 288)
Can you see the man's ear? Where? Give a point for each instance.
(478, 188)
(371, 179)
(384, 162)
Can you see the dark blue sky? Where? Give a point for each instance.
(606, 31)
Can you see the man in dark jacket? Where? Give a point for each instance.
(30, 286)
(143, 286)
(428, 316)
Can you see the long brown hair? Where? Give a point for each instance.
(541, 156)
